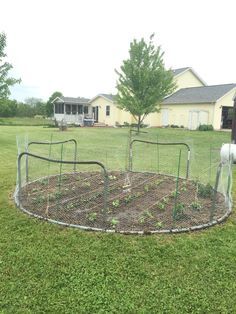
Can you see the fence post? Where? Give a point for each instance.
(19, 176)
(158, 156)
(177, 188)
(75, 155)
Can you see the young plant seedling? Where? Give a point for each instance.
(38, 199)
(179, 211)
(142, 219)
(44, 181)
(159, 224)
(128, 198)
(116, 203)
(158, 182)
(144, 216)
(161, 206)
(64, 177)
(114, 222)
(70, 206)
(183, 188)
(111, 177)
(205, 191)
(138, 194)
(85, 184)
(196, 206)
(146, 188)
(174, 194)
(92, 217)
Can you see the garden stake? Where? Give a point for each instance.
(60, 168)
(177, 187)
(49, 156)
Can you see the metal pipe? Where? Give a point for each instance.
(68, 162)
(159, 143)
(48, 143)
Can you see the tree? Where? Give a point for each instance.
(33, 101)
(8, 108)
(143, 81)
(49, 105)
(37, 105)
(5, 67)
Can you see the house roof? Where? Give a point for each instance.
(71, 100)
(109, 96)
(106, 96)
(202, 94)
(180, 70)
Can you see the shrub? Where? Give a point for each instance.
(205, 191)
(126, 124)
(205, 127)
(135, 125)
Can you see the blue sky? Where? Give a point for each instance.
(74, 46)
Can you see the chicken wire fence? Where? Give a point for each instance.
(149, 187)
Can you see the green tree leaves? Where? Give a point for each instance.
(5, 67)
(49, 105)
(143, 81)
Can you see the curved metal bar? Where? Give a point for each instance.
(68, 162)
(159, 143)
(48, 143)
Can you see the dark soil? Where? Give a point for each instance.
(131, 202)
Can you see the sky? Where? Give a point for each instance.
(74, 46)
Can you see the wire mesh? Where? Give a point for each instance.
(151, 186)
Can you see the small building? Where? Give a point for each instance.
(72, 110)
(191, 107)
(107, 112)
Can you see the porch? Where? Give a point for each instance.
(77, 114)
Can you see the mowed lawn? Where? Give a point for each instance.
(45, 268)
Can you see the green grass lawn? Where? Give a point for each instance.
(17, 121)
(45, 268)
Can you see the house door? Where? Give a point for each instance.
(165, 117)
(197, 118)
(227, 117)
(95, 113)
(194, 120)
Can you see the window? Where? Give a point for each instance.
(59, 108)
(85, 109)
(80, 109)
(68, 109)
(74, 109)
(107, 110)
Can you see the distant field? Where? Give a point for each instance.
(25, 121)
(45, 268)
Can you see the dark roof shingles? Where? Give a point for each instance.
(202, 94)
(180, 70)
(109, 96)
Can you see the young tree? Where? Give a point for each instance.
(143, 81)
(49, 105)
(5, 67)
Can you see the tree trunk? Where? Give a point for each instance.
(139, 122)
